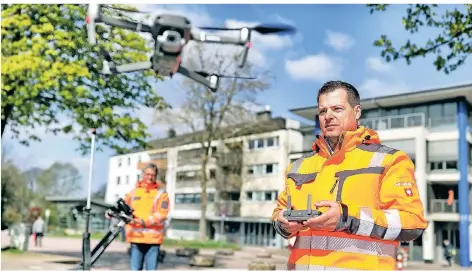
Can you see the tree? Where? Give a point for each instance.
(202, 110)
(451, 47)
(51, 77)
(101, 192)
(60, 179)
(15, 194)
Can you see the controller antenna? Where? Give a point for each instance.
(289, 205)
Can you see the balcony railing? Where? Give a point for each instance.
(395, 122)
(441, 206)
(187, 206)
(195, 182)
(229, 159)
(225, 207)
(407, 121)
(230, 182)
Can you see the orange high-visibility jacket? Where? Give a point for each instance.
(380, 205)
(151, 204)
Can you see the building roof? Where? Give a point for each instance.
(423, 96)
(259, 127)
(256, 127)
(77, 200)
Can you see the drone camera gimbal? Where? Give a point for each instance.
(170, 34)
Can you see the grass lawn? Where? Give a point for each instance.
(167, 242)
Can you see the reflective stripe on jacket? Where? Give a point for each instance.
(151, 205)
(380, 205)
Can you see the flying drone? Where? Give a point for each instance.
(170, 34)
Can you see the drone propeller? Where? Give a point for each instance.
(206, 74)
(263, 29)
(245, 34)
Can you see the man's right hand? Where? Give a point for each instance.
(289, 226)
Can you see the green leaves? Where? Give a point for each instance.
(452, 46)
(49, 72)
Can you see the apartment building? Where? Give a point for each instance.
(245, 173)
(432, 127)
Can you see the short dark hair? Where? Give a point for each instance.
(153, 166)
(352, 94)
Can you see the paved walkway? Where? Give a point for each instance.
(64, 253)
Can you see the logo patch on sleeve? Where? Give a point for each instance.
(165, 205)
(408, 192)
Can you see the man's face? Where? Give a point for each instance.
(336, 114)
(149, 175)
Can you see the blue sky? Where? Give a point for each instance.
(334, 42)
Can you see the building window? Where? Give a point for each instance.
(262, 169)
(127, 179)
(139, 159)
(443, 165)
(260, 143)
(188, 198)
(269, 196)
(138, 177)
(119, 162)
(129, 161)
(118, 180)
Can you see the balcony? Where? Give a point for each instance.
(230, 182)
(160, 163)
(409, 121)
(395, 122)
(441, 206)
(229, 208)
(224, 207)
(187, 206)
(229, 159)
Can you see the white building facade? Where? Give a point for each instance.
(247, 210)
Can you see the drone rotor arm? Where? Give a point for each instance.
(215, 38)
(132, 67)
(196, 76)
(125, 24)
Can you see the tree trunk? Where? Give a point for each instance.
(7, 113)
(203, 197)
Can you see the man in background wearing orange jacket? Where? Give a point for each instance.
(145, 233)
(366, 192)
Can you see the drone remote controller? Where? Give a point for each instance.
(300, 215)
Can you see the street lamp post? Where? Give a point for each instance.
(86, 256)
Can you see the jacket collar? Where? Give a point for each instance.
(147, 185)
(349, 141)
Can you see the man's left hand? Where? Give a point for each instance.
(328, 220)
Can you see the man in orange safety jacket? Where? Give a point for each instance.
(366, 192)
(145, 233)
